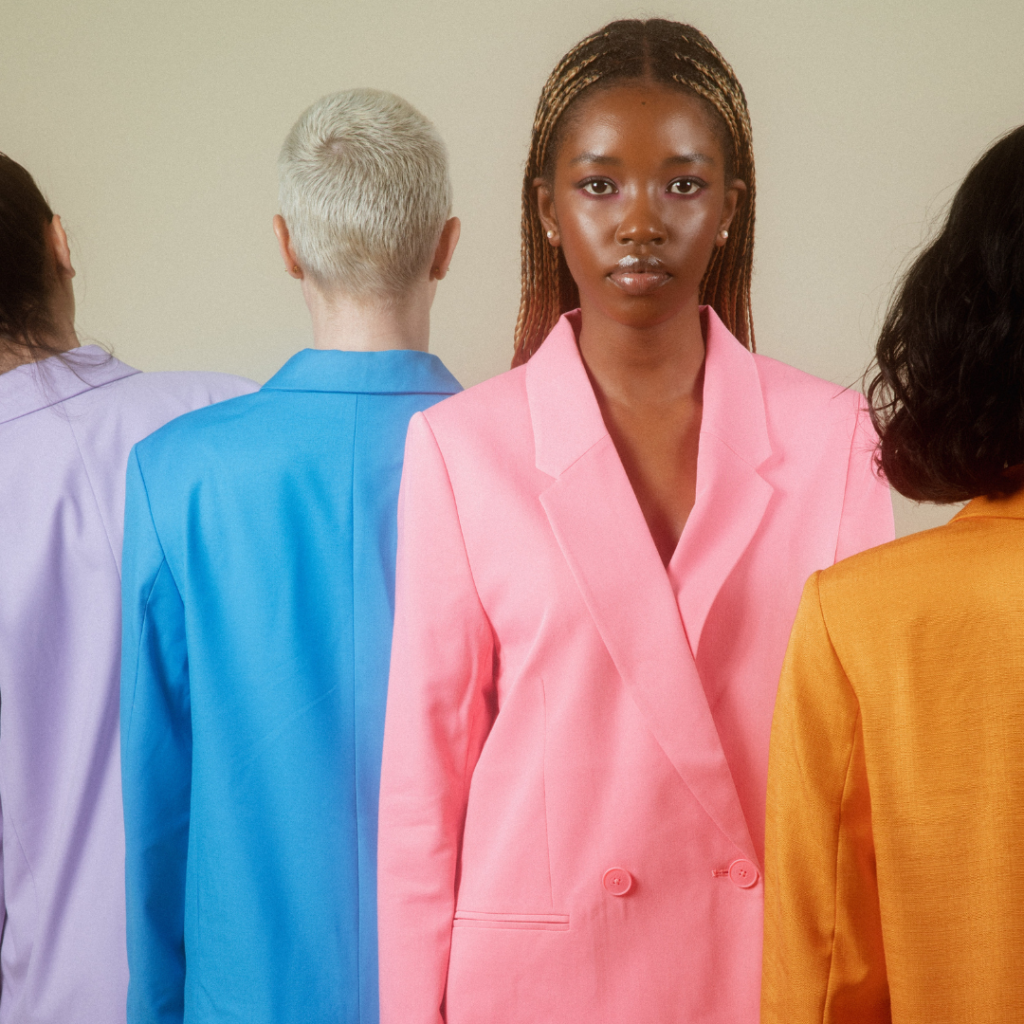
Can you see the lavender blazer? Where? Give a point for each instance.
(66, 428)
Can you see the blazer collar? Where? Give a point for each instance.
(601, 531)
(734, 445)
(393, 371)
(1011, 507)
(567, 420)
(34, 386)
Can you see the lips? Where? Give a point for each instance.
(637, 275)
(633, 283)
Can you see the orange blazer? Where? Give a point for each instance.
(893, 889)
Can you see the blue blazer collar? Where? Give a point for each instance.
(394, 371)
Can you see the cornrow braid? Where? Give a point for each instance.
(669, 53)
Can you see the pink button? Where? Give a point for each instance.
(618, 881)
(743, 874)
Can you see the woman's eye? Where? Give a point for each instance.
(598, 187)
(685, 186)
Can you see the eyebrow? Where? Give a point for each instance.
(601, 158)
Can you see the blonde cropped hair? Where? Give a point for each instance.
(365, 192)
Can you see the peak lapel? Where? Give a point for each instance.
(602, 533)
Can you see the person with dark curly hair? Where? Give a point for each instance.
(896, 778)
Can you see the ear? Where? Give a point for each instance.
(735, 194)
(445, 248)
(61, 249)
(284, 241)
(543, 196)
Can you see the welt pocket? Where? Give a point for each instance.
(522, 922)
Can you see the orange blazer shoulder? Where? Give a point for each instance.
(896, 784)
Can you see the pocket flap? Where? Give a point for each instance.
(537, 922)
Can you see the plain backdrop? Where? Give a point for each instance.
(154, 127)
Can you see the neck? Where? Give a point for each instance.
(14, 355)
(645, 365)
(370, 325)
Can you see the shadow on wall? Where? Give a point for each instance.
(913, 516)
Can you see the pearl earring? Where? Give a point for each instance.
(551, 234)
(725, 234)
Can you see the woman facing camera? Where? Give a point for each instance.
(896, 784)
(600, 557)
(68, 418)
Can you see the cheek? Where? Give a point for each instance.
(586, 231)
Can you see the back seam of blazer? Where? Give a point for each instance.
(352, 668)
(92, 491)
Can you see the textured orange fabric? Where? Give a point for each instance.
(894, 874)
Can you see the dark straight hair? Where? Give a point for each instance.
(948, 396)
(26, 274)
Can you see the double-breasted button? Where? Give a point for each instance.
(618, 881)
(743, 874)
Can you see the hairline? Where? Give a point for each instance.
(714, 120)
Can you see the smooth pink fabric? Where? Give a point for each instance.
(554, 712)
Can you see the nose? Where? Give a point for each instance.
(641, 222)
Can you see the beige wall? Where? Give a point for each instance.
(153, 127)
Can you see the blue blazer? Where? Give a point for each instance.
(258, 595)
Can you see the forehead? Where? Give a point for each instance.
(640, 116)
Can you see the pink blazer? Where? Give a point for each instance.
(572, 797)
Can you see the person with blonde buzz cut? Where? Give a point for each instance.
(258, 592)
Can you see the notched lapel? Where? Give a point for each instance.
(731, 502)
(732, 496)
(602, 533)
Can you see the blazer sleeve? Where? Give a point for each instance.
(823, 953)
(867, 519)
(156, 765)
(438, 714)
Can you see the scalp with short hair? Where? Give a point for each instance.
(365, 192)
(948, 397)
(668, 53)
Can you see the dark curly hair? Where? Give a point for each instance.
(948, 398)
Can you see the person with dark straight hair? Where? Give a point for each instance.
(896, 783)
(36, 298)
(69, 415)
(600, 557)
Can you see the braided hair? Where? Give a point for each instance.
(669, 53)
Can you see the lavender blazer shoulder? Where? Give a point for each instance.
(66, 428)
